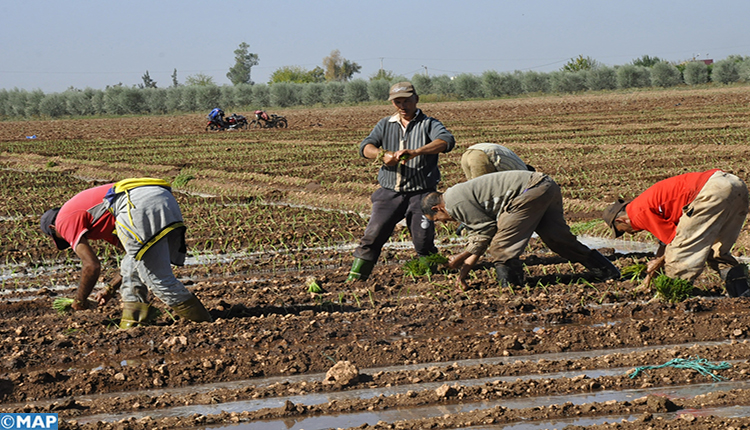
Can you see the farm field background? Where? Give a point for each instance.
(268, 209)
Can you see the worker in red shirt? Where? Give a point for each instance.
(697, 218)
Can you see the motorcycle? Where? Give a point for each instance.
(232, 122)
(263, 120)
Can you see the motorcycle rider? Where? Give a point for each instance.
(217, 116)
(262, 115)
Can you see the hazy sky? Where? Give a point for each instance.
(54, 44)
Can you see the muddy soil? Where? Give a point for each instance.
(420, 329)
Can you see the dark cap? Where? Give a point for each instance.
(611, 212)
(401, 89)
(48, 219)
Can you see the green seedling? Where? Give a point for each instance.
(427, 265)
(672, 290)
(313, 286)
(63, 305)
(635, 272)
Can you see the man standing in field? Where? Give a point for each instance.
(482, 158)
(142, 217)
(697, 218)
(501, 211)
(407, 144)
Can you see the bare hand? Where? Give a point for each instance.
(102, 297)
(404, 155)
(80, 305)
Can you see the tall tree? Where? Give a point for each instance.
(147, 81)
(244, 61)
(297, 74)
(338, 68)
(580, 63)
(199, 79)
(175, 83)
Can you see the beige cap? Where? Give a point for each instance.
(401, 89)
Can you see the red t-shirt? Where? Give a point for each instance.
(659, 208)
(73, 220)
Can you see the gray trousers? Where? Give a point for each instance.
(538, 209)
(388, 208)
(141, 214)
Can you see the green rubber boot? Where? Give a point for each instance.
(136, 314)
(361, 270)
(192, 309)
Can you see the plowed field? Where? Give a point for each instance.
(267, 210)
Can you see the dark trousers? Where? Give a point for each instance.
(388, 208)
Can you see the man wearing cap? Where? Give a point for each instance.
(482, 158)
(501, 211)
(406, 145)
(697, 218)
(142, 217)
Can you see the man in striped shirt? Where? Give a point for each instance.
(407, 144)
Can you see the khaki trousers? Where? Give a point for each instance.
(476, 163)
(538, 209)
(708, 228)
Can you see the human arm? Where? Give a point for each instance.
(652, 266)
(90, 270)
(373, 152)
(464, 262)
(437, 146)
(105, 295)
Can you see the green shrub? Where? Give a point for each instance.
(665, 75)
(377, 90)
(696, 73)
(285, 94)
(208, 97)
(443, 86)
(243, 95)
(312, 94)
(53, 105)
(333, 93)
(725, 72)
(630, 76)
(501, 84)
(468, 86)
(261, 95)
(602, 78)
(422, 84)
(535, 82)
(356, 91)
(568, 82)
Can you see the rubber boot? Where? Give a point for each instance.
(361, 270)
(136, 314)
(735, 281)
(602, 268)
(193, 310)
(510, 273)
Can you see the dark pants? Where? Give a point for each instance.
(388, 208)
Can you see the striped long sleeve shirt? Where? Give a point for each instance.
(420, 173)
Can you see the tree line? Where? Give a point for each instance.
(578, 75)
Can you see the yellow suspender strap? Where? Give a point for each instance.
(168, 229)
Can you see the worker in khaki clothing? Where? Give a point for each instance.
(142, 217)
(697, 218)
(482, 158)
(501, 211)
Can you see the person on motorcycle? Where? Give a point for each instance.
(262, 115)
(217, 116)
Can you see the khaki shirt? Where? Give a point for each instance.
(478, 203)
